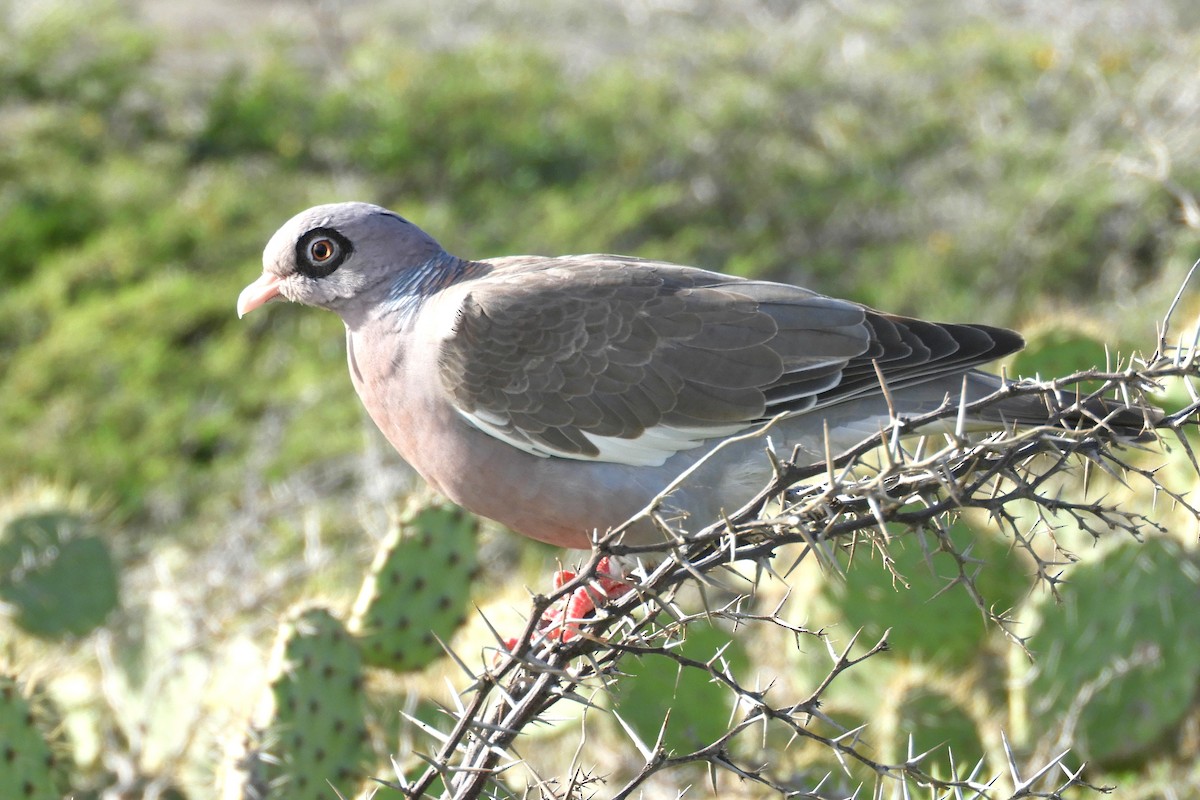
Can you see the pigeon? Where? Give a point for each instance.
(560, 396)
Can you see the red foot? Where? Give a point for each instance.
(561, 621)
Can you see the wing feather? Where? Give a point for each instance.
(626, 360)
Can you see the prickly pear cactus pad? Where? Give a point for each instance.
(417, 589)
(926, 621)
(59, 579)
(310, 734)
(686, 707)
(28, 767)
(1120, 657)
(927, 715)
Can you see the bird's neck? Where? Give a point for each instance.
(414, 286)
(400, 297)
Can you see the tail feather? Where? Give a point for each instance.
(1068, 411)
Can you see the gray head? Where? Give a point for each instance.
(331, 254)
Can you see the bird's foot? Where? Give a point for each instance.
(560, 622)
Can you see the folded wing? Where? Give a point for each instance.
(630, 361)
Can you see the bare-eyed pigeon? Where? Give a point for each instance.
(559, 396)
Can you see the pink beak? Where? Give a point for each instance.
(263, 290)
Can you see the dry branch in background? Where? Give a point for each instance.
(901, 483)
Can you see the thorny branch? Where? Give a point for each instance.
(899, 482)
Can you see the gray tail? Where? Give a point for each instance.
(1067, 410)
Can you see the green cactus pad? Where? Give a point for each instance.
(417, 590)
(28, 765)
(928, 719)
(310, 733)
(654, 685)
(926, 621)
(1121, 655)
(60, 580)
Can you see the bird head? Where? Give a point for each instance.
(332, 254)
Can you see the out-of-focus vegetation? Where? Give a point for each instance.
(1027, 166)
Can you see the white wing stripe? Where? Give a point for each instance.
(651, 449)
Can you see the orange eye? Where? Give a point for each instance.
(321, 250)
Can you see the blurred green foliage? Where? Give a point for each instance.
(993, 168)
(133, 207)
